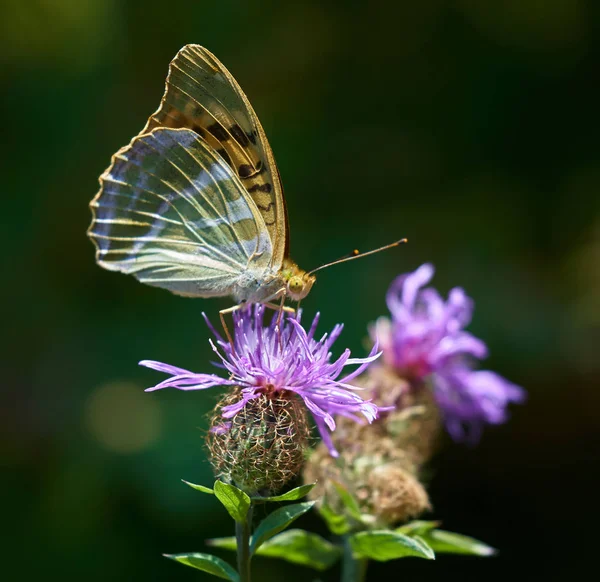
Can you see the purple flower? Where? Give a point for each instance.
(425, 341)
(265, 360)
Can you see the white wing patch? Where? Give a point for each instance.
(171, 212)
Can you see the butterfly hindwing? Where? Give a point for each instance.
(171, 212)
(203, 96)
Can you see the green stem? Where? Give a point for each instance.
(242, 536)
(353, 569)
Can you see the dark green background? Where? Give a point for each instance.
(470, 127)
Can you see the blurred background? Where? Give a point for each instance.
(470, 127)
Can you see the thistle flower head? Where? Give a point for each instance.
(425, 341)
(263, 446)
(377, 468)
(273, 360)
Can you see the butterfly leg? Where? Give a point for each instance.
(222, 315)
(276, 307)
(281, 307)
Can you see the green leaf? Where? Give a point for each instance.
(228, 543)
(294, 545)
(447, 542)
(383, 545)
(235, 501)
(301, 547)
(417, 528)
(276, 522)
(291, 495)
(199, 487)
(348, 500)
(207, 563)
(337, 524)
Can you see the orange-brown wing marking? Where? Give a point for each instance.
(202, 95)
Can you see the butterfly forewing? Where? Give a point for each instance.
(203, 96)
(171, 212)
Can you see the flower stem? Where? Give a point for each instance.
(353, 569)
(242, 536)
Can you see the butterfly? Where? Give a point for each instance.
(194, 204)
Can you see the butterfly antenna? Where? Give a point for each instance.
(356, 254)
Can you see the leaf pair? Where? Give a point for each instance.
(238, 504)
(295, 545)
(418, 538)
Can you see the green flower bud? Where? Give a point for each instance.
(263, 446)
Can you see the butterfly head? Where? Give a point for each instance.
(298, 282)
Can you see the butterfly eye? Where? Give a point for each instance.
(296, 284)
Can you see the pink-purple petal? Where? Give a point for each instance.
(160, 367)
(426, 339)
(326, 436)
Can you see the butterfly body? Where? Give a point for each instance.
(266, 286)
(194, 203)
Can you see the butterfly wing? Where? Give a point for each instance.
(202, 95)
(171, 212)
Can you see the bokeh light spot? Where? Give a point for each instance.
(122, 418)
